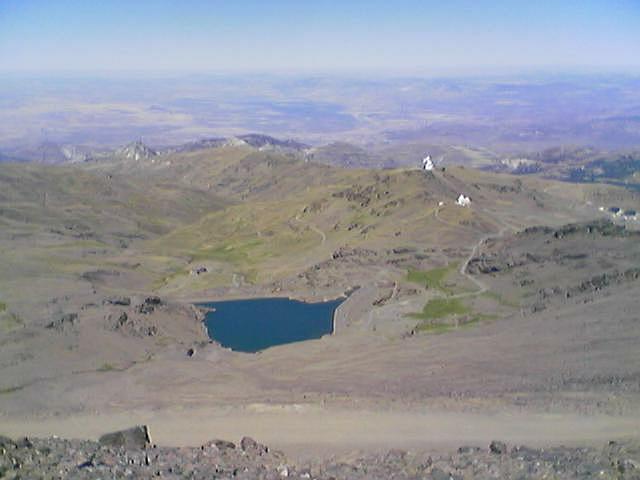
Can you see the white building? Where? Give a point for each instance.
(427, 163)
(463, 201)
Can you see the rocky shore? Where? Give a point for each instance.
(131, 454)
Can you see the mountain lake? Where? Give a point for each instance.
(252, 325)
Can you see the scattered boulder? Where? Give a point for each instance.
(135, 437)
(248, 444)
(153, 300)
(131, 325)
(122, 319)
(439, 474)
(224, 445)
(467, 449)
(63, 321)
(117, 300)
(59, 458)
(498, 448)
(149, 305)
(524, 453)
(199, 270)
(6, 441)
(23, 442)
(145, 309)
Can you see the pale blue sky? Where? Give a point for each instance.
(319, 35)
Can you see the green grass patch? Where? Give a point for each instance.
(10, 321)
(251, 275)
(434, 278)
(166, 280)
(441, 308)
(106, 367)
(8, 390)
(3, 307)
(231, 253)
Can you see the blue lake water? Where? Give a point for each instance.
(255, 324)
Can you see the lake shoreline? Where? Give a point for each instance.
(251, 325)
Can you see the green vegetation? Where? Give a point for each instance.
(164, 281)
(106, 367)
(435, 312)
(233, 253)
(434, 316)
(434, 278)
(3, 307)
(10, 321)
(440, 308)
(7, 390)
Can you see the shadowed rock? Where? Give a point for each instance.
(135, 437)
(117, 300)
(248, 444)
(149, 304)
(63, 321)
(499, 448)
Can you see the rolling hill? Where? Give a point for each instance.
(98, 265)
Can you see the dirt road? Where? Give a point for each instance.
(303, 430)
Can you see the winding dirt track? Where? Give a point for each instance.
(482, 287)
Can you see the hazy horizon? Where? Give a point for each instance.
(410, 36)
(504, 75)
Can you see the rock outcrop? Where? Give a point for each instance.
(135, 437)
(130, 454)
(136, 151)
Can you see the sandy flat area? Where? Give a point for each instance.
(308, 430)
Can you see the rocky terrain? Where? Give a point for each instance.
(575, 164)
(514, 317)
(575, 263)
(130, 454)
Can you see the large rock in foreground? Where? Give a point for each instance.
(136, 437)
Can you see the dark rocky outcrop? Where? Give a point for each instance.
(499, 448)
(592, 285)
(63, 321)
(357, 252)
(117, 300)
(248, 444)
(123, 456)
(257, 140)
(149, 305)
(135, 437)
(605, 228)
(131, 325)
